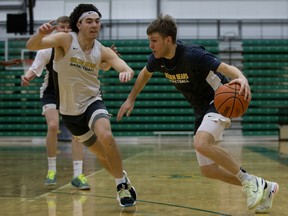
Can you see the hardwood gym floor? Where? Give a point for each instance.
(166, 176)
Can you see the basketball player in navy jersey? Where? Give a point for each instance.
(77, 60)
(197, 73)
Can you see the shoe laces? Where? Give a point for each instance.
(51, 174)
(82, 178)
(248, 188)
(124, 193)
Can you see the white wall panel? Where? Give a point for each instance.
(45, 10)
(134, 9)
(225, 9)
(179, 9)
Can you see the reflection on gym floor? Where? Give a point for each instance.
(166, 176)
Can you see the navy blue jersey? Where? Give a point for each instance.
(192, 71)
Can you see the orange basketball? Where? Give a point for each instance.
(229, 102)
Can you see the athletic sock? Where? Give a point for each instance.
(77, 166)
(120, 180)
(52, 164)
(242, 175)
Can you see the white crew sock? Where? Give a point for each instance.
(243, 176)
(52, 164)
(120, 180)
(77, 166)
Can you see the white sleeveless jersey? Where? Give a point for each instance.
(78, 81)
(41, 59)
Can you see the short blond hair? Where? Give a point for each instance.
(165, 25)
(62, 19)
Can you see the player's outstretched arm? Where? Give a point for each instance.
(104, 65)
(127, 107)
(110, 57)
(37, 40)
(11, 62)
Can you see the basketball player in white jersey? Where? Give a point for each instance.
(77, 61)
(48, 95)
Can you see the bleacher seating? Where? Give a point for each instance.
(20, 107)
(20, 110)
(159, 107)
(265, 65)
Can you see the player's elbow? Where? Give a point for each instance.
(31, 46)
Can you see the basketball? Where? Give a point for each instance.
(229, 102)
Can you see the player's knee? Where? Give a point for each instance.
(53, 127)
(106, 137)
(201, 147)
(202, 144)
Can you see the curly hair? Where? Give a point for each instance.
(165, 25)
(78, 11)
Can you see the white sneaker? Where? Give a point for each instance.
(267, 200)
(254, 190)
(132, 190)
